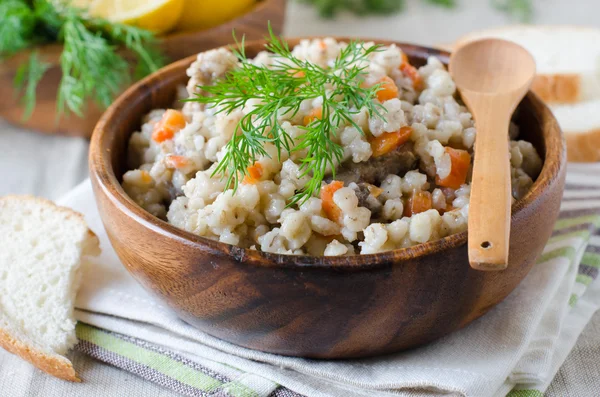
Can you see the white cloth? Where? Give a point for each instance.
(517, 342)
(42, 165)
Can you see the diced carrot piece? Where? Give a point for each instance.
(146, 178)
(404, 58)
(412, 72)
(174, 161)
(389, 141)
(255, 173)
(316, 113)
(322, 45)
(161, 134)
(171, 122)
(332, 211)
(460, 161)
(420, 201)
(387, 89)
(299, 74)
(374, 190)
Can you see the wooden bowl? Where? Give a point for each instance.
(253, 25)
(320, 307)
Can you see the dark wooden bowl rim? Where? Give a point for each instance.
(112, 188)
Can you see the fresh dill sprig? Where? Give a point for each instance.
(443, 3)
(92, 64)
(142, 43)
(281, 89)
(16, 26)
(329, 8)
(521, 10)
(27, 78)
(90, 67)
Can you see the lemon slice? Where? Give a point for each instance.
(203, 14)
(83, 4)
(158, 16)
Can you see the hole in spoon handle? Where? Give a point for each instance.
(487, 255)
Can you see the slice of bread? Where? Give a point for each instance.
(567, 58)
(581, 126)
(43, 247)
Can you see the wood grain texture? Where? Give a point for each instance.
(320, 307)
(254, 25)
(492, 76)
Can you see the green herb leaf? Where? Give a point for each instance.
(17, 23)
(27, 79)
(521, 10)
(329, 8)
(141, 42)
(282, 89)
(443, 3)
(92, 65)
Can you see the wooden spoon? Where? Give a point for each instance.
(492, 77)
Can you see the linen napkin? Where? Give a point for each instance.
(515, 349)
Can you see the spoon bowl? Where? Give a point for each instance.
(492, 66)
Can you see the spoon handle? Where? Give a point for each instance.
(491, 199)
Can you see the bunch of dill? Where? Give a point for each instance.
(280, 89)
(91, 64)
(519, 9)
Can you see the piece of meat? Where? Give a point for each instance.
(366, 198)
(376, 169)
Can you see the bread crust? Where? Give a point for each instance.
(557, 88)
(583, 147)
(53, 364)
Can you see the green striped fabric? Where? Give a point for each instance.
(525, 393)
(167, 368)
(593, 220)
(566, 252)
(153, 360)
(591, 259)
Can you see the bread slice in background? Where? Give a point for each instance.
(567, 59)
(43, 248)
(581, 126)
(568, 78)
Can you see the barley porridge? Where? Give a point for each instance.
(403, 179)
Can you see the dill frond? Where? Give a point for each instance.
(27, 79)
(16, 26)
(281, 89)
(521, 10)
(92, 63)
(90, 68)
(518, 9)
